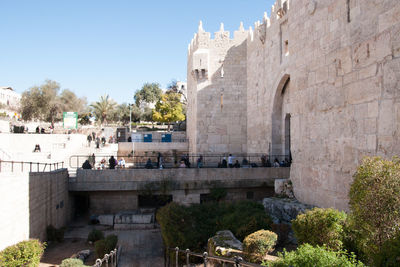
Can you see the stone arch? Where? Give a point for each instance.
(280, 121)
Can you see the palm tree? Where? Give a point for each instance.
(103, 108)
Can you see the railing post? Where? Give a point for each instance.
(106, 258)
(12, 166)
(187, 257)
(30, 166)
(176, 256)
(0, 165)
(238, 260)
(22, 166)
(37, 167)
(205, 255)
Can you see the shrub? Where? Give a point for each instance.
(95, 235)
(258, 244)
(190, 227)
(100, 248)
(105, 246)
(307, 255)
(375, 204)
(25, 253)
(54, 234)
(320, 227)
(72, 263)
(390, 253)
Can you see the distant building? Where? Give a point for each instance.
(9, 98)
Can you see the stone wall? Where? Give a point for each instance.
(217, 92)
(322, 84)
(31, 202)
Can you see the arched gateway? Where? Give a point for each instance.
(280, 121)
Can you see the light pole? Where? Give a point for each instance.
(130, 118)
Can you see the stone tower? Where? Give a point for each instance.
(217, 114)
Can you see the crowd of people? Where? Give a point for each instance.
(184, 162)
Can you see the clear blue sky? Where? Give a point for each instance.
(97, 47)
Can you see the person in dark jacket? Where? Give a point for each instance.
(111, 162)
(86, 165)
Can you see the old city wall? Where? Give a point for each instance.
(335, 68)
(217, 92)
(322, 86)
(30, 202)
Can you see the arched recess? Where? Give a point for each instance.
(280, 121)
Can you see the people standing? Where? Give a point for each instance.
(89, 139)
(230, 161)
(92, 160)
(111, 162)
(86, 165)
(97, 142)
(200, 162)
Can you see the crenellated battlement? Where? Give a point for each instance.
(278, 13)
(202, 39)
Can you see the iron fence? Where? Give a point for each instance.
(109, 260)
(207, 259)
(16, 166)
(167, 161)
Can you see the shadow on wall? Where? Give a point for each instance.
(48, 201)
(222, 123)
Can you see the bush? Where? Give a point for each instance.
(72, 263)
(258, 244)
(190, 227)
(54, 234)
(307, 255)
(95, 235)
(320, 227)
(375, 204)
(390, 253)
(105, 246)
(25, 253)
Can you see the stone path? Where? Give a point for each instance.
(141, 248)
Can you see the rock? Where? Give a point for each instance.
(284, 210)
(224, 243)
(83, 255)
(106, 219)
(283, 187)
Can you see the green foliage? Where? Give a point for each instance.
(309, 256)
(103, 109)
(375, 205)
(3, 114)
(25, 253)
(105, 246)
(149, 93)
(43, 102)
(217, 194)
(190, 227)
(95, 235)
(72, 263)
(147, 114)
(258, 244)
(54, 234)
(390, 253)
(320, 227)
(169, 109)
(84, 118)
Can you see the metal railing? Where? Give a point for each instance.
(109, 260)
(206, 259)
(15, 166)
(157, 140)
(190, 160)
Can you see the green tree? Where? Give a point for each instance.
(121, 113)
(70, 102)
(103, 109)
(40, 102)
(149, 93)
(169, 109)
(375, 205)
(44, 103)
(147, 114)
